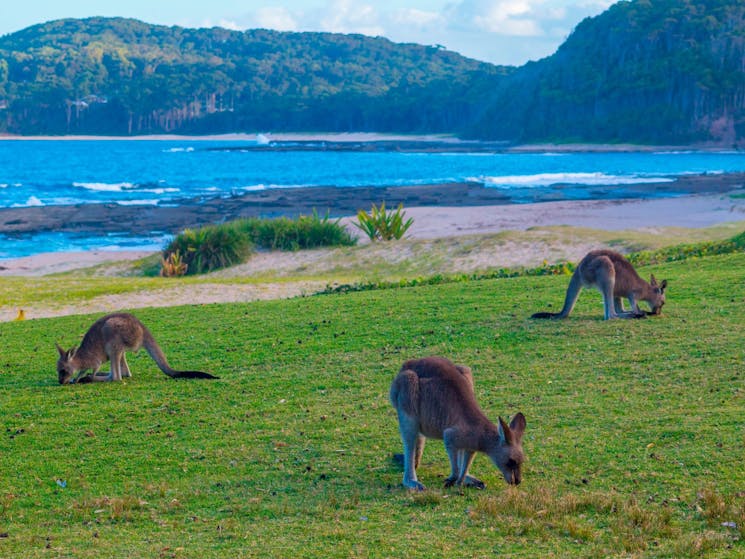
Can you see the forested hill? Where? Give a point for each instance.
(644, 71)
(123, 76)
(648, 71)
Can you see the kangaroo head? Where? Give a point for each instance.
(65, 368)
(507, 455)
(657, 299)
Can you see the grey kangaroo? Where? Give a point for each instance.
(613, 275)
(434, 398)
(108, 339)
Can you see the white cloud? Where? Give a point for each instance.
(503, 17)
(412, 16)
(275, 17)
(349, 16)
(499, 31)
(227, 24)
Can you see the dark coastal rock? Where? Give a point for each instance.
(337, 201)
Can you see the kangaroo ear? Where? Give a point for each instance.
(517, 426)
(505, 434)
(72, 352)
(663, 285)
(652, 281)
(61, 351)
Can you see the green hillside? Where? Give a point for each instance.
(644, 71)
(647, 71)
(122, 76)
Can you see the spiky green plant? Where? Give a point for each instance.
(383, 225)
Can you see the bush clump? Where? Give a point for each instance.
(197, 251)
(307, 231)
(209, 248)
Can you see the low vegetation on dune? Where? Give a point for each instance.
(634, 428)
(210, 248)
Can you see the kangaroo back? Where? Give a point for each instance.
(153, 349)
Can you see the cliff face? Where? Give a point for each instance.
(654, 71)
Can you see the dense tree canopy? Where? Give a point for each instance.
(650, 71)
(123, 76)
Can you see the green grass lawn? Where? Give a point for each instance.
(634, 445)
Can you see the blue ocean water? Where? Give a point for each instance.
(49, 172)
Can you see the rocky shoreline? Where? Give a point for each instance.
(338, 202)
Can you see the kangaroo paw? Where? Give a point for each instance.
(474, 482)
(413, 485)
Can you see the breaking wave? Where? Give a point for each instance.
(121, 187)
(547, 179)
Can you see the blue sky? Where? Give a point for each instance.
(498, 31)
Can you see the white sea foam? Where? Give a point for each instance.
(256, 187)
(105, 187)
(32, 201)
(159, 190)
(547, 179)
(121, 187)
(262, 140)
(137, 202)
(178, 150)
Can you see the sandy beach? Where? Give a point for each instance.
(443, 221)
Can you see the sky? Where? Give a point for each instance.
(498, 31)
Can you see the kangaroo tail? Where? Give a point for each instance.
(575, 286)
(191, 374)
(544, 315)
(153, 349)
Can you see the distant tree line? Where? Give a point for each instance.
(122, 76)
(647, 71)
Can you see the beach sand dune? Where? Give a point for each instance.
(455, 238)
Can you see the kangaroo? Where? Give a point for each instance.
(613, 275)
(434, 398)
(108, 339)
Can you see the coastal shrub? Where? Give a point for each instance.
(210, 248)
(306, 231)
(197, 251)
(383, 225)
(173, 265)
(685, 251)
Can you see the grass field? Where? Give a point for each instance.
(634, 442)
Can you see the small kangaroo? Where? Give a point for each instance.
(108, 339)
(434, 398)
(613, 275)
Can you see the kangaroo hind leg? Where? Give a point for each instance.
(124, 366)
(413, 446)
(605, 281)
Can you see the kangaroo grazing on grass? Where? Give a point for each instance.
(613, 275)
(434, 398)
(108, 339)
